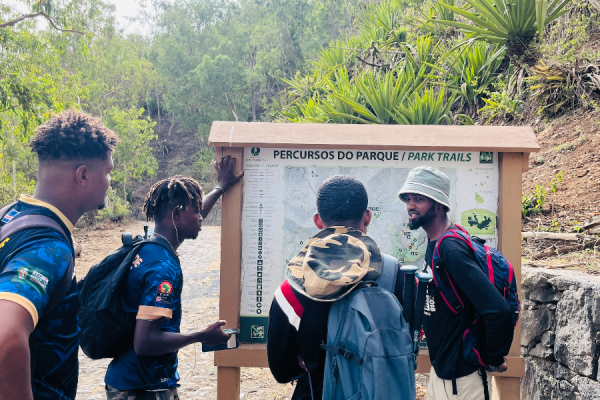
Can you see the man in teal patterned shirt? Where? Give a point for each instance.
(38, 340)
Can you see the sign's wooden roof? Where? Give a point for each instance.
(510, 139)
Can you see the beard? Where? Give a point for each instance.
(423, 219)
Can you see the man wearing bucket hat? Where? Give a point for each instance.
(426, 193)
(330, 265)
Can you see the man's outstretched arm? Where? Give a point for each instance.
(226, 177)
(151, 340)
(15, 375)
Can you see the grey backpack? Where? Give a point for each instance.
(369, 347)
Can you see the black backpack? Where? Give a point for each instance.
(106, 329)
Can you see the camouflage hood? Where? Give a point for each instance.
(333, 262)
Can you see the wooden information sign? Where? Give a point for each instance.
(267, 218)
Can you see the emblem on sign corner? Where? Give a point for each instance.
(255, 151)
(486, 157)
(257, 332)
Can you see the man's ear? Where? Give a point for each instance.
(367, 216)
(82, 175)
(176, 213)
(318, 221)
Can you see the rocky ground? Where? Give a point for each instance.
(566, 172)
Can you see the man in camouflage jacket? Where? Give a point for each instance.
(331, 264)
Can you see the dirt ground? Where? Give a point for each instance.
(569, 145)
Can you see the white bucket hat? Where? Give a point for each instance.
(428, 182)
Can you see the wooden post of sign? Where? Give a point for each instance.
(228, 378)
(509, 243)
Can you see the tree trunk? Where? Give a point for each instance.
(14, 166)
(158, 107)
(125, 184)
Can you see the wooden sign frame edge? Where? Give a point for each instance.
(507, 386)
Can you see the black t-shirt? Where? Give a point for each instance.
(444, 329)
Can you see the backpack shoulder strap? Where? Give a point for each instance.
(6, 209)
(31, 222)
(42, 221)
(387, 280)
(440, 275)
(161, 241)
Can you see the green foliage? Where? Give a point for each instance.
(10, 189)
(505, 22)
(115, 209)
(133, 155)
(224, 60)
(396, 97)
(564, 86)
(502, 102)
(533, 203)
(437, 11)
(404, 91)
(382, 23)
(570, 146)
(570, 39)
(556, 181)
(473, 71)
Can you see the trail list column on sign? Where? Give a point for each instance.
(279, 200)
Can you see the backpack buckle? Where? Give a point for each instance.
(346, 354)
(350, 356)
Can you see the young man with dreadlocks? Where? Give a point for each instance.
(148, 368)
(39, 300)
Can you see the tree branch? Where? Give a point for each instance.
(16, 21)
(42, 14)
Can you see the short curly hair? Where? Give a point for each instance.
(342, 201)
(73, 135)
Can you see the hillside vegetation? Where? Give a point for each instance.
(195, 61)
(454, 62)
(519, 62)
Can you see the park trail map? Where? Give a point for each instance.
(279, 200)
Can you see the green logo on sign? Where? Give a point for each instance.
(486, 157)
(255, 151)
(479, 222)
(258, 332)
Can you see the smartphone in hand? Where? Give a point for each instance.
(232, 343)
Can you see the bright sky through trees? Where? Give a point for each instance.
(124, 9)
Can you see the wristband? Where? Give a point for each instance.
(220, 188)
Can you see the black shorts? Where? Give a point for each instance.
(116, 394)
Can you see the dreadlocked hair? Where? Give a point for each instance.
(172, 192)
(73, 135)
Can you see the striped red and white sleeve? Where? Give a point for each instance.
(289, 304)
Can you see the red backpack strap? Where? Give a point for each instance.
(442, 279)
